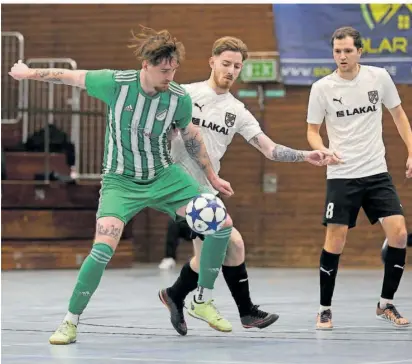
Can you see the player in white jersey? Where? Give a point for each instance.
(220, 116)
(350, 100)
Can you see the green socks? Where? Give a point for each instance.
(89, 277)
(213, 255)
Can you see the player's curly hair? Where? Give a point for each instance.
(344, 32)
(230, 44)
(156, 46)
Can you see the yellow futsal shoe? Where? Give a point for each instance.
(65, 334)
(208, 312)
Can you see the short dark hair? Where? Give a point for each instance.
(155, 46)
(230, 44)
(344, 32)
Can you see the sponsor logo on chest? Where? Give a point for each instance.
(373, 97)
(210, 125)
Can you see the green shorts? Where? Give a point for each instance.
(124, 197)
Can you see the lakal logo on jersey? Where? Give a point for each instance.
(230, 119)
(373, 98)
(211, 126)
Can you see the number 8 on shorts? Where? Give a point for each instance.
(329, 210)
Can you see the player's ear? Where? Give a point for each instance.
(145, 64)
(360, 51)
(211, 62)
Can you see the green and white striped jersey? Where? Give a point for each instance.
(137, 124)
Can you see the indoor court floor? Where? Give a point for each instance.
(126, 323)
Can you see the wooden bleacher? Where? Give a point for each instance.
(50, 226)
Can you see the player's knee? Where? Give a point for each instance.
(228, 222)
(108, 231)
(400, 237)
(235, 254)
(195, 263)
(335, 238)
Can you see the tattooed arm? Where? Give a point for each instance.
(196, 148)
(20, 71)
(280, 153)
(277, 152)
(59, 76)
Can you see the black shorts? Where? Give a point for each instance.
(375, 194)
(185, 232)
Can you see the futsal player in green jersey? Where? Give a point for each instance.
(138, 171)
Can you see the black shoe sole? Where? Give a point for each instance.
(263, 324)
(177, 326)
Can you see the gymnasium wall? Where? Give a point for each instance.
(281, 229)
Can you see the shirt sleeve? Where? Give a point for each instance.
(249, 125)
(183, 114)
(101, 84)
(316, 106)
(390, 97)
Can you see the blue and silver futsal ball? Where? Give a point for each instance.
(206, 214)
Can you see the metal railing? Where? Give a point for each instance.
(91, 143)
(39, 104)
(12, 49)
(48, 96)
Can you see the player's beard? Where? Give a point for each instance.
(222, 83)
(162, 88)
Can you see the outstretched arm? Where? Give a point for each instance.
(277, 152)
(280, 153)
(21, 71)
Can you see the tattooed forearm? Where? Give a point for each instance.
(47, 75)
(281, 153)
(196, 149)
(42, 73)
(109, 231)
(192, 147)
(255, 142)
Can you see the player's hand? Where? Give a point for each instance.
(331, 157)
(319, 157)
(222, 186)
(408, 173)
(172, 134)
(19, 71)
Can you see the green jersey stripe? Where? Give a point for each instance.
(176, 90)
(166, 153)
(125, 73)
(121, 99)
(140, 138)
(126, 78)
(148, 140)
(109, 133)
(134, 130)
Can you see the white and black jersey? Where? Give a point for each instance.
(353, 114)
(352, 111)
(220, 117)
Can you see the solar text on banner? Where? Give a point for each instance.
(303, 34)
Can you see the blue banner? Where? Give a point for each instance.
(303, 34)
